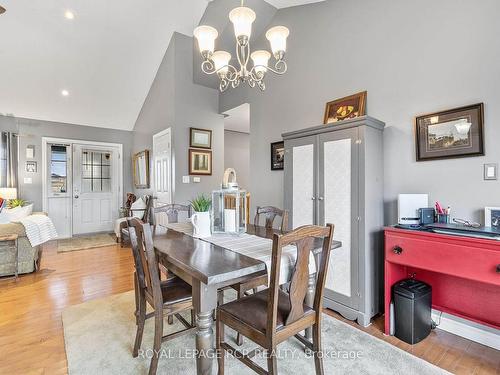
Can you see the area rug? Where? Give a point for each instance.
(85, 242)
(99, 338)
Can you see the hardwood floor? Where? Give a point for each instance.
(31, 335)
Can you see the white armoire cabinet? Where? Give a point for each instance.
(334, 174)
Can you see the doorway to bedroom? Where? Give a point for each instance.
(82, 185)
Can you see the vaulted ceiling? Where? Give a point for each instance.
(104, 54)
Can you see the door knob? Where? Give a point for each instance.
(76, 196)
(320, 198)
(313, 198)
(397, 250)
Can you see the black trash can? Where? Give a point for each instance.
(412, 310)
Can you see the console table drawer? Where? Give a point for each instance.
(467, 262)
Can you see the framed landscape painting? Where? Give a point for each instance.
(454, 133)
(345, 108)
(200, 138)
(200, 162)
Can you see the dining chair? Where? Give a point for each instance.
(272, 316)
(167, 298)
(270, 213)
(172, 211)
(143, 213)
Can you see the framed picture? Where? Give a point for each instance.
(277, 156)
(200, 162)
(345, 108)
(492, 217)
(200, 138)
(140, 170)
(454, 133)
(31, 166)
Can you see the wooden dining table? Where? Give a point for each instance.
(209, 268)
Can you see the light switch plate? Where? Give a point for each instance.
(28, 180)
(185, 179)
(491, 171)
(196, 179)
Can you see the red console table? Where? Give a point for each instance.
(464, 272)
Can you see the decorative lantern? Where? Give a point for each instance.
(229, 206)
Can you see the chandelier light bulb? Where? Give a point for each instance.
(242, 19)
(221, 61)
(277, 38)
(260, 59)
(206, 36)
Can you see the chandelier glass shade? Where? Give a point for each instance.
(218, 62)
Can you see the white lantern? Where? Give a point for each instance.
(229, 206)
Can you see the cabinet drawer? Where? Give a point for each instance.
(436, 255)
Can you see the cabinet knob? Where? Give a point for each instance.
(498, 268)
(320, 198)
(397, 250)
(313, 198)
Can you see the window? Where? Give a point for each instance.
(96, 171)
(58, 169)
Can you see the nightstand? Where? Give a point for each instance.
(4, 244)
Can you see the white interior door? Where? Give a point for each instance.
(59, 187)
(95, 188)
(162, 166)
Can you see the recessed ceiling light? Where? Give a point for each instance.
(69, 15)
(64, 92)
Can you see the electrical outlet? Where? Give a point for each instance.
(28, 180)
(196, 179)
(185, 179)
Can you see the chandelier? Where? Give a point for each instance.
(217, 62)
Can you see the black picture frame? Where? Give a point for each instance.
(454, 133)
(277, 156)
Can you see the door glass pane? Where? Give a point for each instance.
(303, 185)
(96, 171)
(58, 169)
(337, 177)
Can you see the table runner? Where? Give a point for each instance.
(252, 246)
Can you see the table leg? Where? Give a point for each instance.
(205, 301)
(311, 288)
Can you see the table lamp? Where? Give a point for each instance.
(8, 193)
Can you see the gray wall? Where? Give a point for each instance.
(175, 101)
(31, 133)
(413, 57)
(237, 155)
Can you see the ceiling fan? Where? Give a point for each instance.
(2, 9)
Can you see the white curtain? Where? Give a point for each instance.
(8, 160)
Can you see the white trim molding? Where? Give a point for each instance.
(465, 328)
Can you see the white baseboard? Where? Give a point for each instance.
(465, 328)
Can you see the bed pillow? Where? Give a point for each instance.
(17, 213)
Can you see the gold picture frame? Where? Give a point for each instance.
(140, 169)
(200, 162)
(351, 106)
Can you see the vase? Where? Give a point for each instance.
(201, 224)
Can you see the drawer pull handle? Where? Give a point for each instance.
(498, 268)
(397, 250)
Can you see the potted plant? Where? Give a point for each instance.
(201, 217)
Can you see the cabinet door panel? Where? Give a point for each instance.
(300, 183)
(338, 188)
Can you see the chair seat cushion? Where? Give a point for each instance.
(252, 310)
(175, 290)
